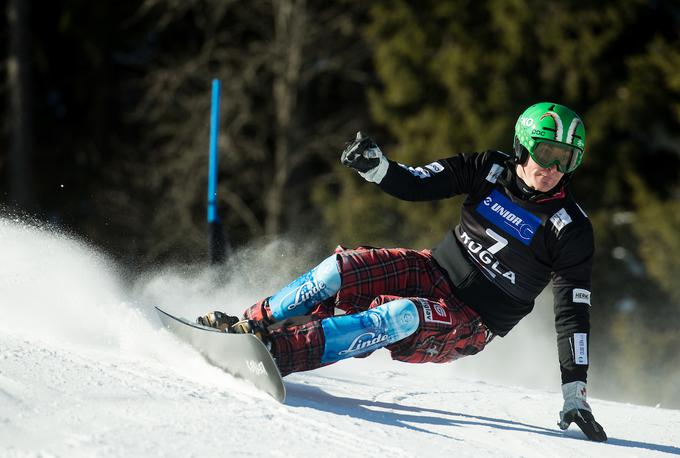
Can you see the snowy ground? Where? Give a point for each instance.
(86, 370)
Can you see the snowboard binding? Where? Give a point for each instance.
(233, 325)
(217, 320)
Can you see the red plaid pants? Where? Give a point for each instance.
(448, 329)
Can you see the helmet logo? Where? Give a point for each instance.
(527, 122)
(559, 128)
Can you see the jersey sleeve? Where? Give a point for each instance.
(439, 180)
(572, 266)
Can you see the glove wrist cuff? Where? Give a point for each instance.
(575, 395)
(376, 174)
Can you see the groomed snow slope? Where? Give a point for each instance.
(86, 370)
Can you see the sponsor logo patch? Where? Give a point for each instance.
(426, 171)
(511, 218)
(560, 219)
(494, 173)
(435, 167)
(581, 296)
(419, 172)
(304, 292)
(581, 348)
(364, 341)
(435, 313)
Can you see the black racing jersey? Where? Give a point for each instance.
(507, 248)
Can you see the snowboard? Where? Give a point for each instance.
(241, 355)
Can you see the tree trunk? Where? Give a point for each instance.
(20, 116)
(290, 18)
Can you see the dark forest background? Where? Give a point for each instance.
(104, 130)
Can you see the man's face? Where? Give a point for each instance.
(537, 177)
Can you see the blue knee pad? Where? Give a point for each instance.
(299, 297)
(353, 335)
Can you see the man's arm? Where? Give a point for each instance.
(573, 261)
(438, 180)
(574, 252)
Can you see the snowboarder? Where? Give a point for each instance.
(520, 228)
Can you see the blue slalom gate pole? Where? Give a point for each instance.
(216, 240)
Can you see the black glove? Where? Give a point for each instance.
(364, 156)
(584, 420)
(576, 410)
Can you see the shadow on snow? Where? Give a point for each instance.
(300, 395)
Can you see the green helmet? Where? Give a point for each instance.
(552, 134)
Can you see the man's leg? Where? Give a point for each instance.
(449, 330)
(369, 273)
(301, 296)
(353, 279)
(360, 279)
(322, 342)
(415, 330)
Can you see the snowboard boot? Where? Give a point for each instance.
(217, 320)
(232, 325)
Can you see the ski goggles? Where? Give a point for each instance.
(566, 158)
